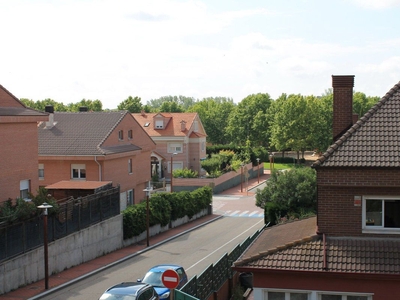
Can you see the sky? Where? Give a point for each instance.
(108, 50)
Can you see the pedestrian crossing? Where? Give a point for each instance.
(242, 214)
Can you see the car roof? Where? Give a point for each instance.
(130, 288)
(166, 267)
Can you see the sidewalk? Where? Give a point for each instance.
(64, 278)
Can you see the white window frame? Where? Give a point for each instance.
(344, 295)
(159, 124)
(24, 189)
(121, 135)
(130, 166)
(175, 147)
(41, 171)
(78, 167)
(130, 134)
(378, 229)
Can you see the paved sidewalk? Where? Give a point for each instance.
(36, 290)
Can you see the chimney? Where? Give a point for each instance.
(342, 104)
(83, 109)
(183, 125)
(143, 113)
(50, 109)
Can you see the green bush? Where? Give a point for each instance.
(185, 173)
(165, 207)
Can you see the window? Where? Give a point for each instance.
(381, 213)
(129, 198)
(121, 135)
(196, 126)
(159, 124)
(343, 297)
(130, 134)
(272, 295)
(41, 171)
(130, 166)
(147, 124)
(175, 148)
(203, 146)
(78, 171)
(24, 189)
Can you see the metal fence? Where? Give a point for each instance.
(211, 279)
(73, 215)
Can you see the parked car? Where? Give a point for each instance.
(153, 277)
(130, 291)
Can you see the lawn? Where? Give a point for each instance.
(278, 166)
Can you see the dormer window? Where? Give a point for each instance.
(121, 135)
(159, 124)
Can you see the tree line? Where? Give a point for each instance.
(290, 122)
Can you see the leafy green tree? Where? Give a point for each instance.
(133, 105)
(41, 104)
(214, 114)
(91, 105)
(173, 107)
(181, 101)
(289, 194)
(362, 103)
(247, 120)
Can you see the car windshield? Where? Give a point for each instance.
(109, 296)
(153, 277)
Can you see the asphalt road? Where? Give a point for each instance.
(195, 251)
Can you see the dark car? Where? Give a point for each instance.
(130, 291)
(153, 277)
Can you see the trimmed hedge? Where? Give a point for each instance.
(164, 208)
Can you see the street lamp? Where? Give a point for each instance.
(241, 177)
(45, 206)
(147, 190)
(172, 168)
(258, 170)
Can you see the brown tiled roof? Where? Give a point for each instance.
(282, 235)
(77, 184)
(374, 141)
(341, 255)
(173, 127)
(81, 133)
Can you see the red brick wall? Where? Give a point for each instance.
(342, 103)
(6, 100)
(18, 158)
(382, 287)
(337, 214)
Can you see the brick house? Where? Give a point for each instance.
(351, 250)
(18, 147)
(180, 138)
(102, 147)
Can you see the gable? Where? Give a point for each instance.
(9, 100)
(374, 141)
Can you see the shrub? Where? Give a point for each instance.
(185, 173)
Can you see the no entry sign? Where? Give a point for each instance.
(170, 279)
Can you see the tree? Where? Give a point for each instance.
(247, 120)
(170, 107)
(214, 114)
(41, 104)
(133, 105)
(289, 194)
(183, 102)
(362, 103)
(91, 105)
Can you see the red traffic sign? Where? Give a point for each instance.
(170, 279)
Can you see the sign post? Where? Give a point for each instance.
(170, 280)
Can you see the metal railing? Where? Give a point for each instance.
(73, 215)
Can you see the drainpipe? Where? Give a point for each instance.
(95, 159)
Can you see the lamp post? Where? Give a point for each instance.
(45, 206)
(241, 177)
(258, 169)
(172, 168)
(147, 190)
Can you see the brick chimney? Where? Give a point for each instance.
(342, 104)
